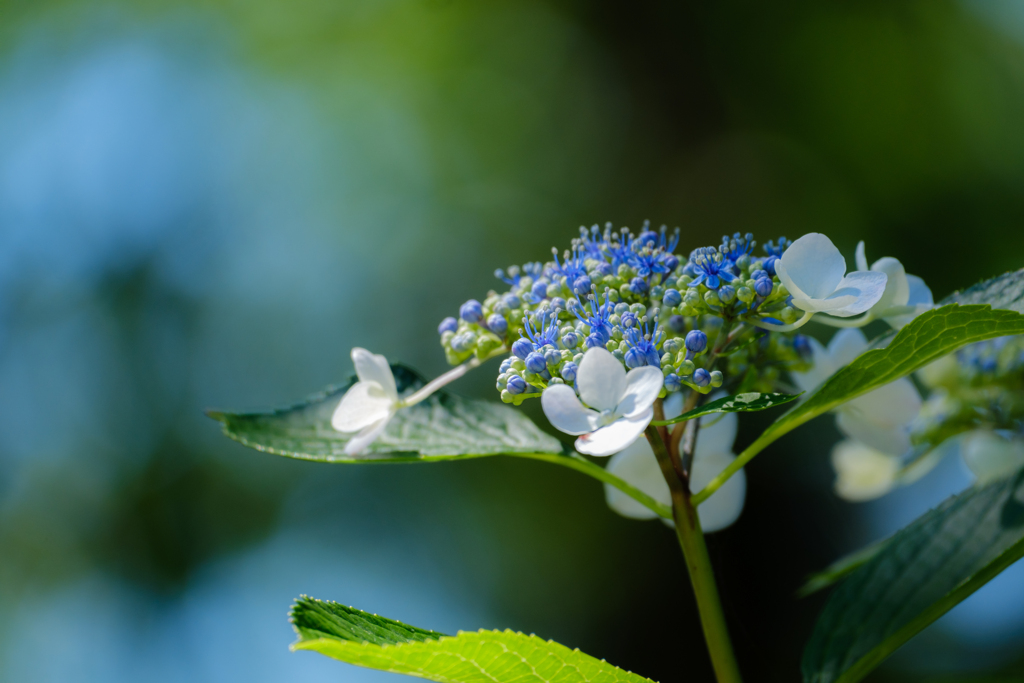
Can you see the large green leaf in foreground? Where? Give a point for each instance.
(374, 642)
(918, 575)
(443, 427)
(740, 403)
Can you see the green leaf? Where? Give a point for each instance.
(920, 574)
(740, 403)
(839, 569)
(443, 427)
(928, 337)
(374, 642)
(1005, 291)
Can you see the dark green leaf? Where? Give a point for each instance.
(443, 427)
(1005, 291)
(740, 403)
(356, 637)
(920, 574)
(839, 569)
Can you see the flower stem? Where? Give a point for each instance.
(449, 377)
(698, 564)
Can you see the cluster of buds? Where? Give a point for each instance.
(634, 297)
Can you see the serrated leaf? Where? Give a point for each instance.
(739, 403)
(920, 574)
(356, 637)
(928, 337)
(443, 427)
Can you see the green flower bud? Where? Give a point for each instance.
(687, 311)
(615, 319)
(683, 281)
(613, 295)
(506, 397)
(518, 365)
(667, 369)
(672, 346)
(612, 345)
(727, 294)
(639, 309)
(619, 356)
(556, 380)
(446, 337)
(788, 315)
(711, 296)
(692, 298)
(716, 378)
(686, 367)
(745, 294)
(743, 262)
(666, 362)
(780, 289)
(657, 292)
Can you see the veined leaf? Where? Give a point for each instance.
(356, 637)
(1005, 291)
(740, 403)
(840, 569)
(928, 337)
(443, 427)
(920, 574)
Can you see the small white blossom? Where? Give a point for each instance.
(620, 403)
(814, 272)
(905, 296)
(991, 455)
(863, 473)
(638, 466)
(369, 404)
(880, 418)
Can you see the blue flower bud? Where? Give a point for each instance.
(497, 324)
(449, 324)
(672, 382)
(763, 287)
(677, 324)
(634, 358)
(727, 293)
(570, 340)
(582, 286)
(652, 357)
(593, 341)
(516, 385)
(505, 365)
(558, 303)
(629, 320)
(551, 357)
(671, 262)
(620, 308)
(638, 285)
(603, 269)
(672, 298)
(535, 362)
(696, 341)
(769, 264)
(701, 378)
(522, 348)
(471, 311)
(540, 290)
(512, 301)
(569, 372)
(758, 274)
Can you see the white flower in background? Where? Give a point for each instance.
(620, 403)
(905, 296)
(638, 466)
(991, 455)
(369, 404)
(814, 272)
(880, 418)
(863, 473)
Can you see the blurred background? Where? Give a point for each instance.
(207, 204)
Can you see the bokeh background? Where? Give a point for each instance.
(208, 203)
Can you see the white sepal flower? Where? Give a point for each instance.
(991, 456)
(905, 296)
(863, 473)
(880, 418)
(637, 465)
(814, 272)
(620, 403)
(369, 404)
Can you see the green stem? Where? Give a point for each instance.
(698, 564)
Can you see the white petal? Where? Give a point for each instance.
(860, 257)
(601, 379)
(814, 265)
(636, 466)
(838, 302)
(361, 406)
(642, 387)
(364, 438)
(792, 287)
(717, 434)
(881, 418)
(372, 367)
(845, 345)
(862, 473)
(565, 412)
(724, 506)
(616, 436)
(919, 301)
(865, 288)
(897, 290)
(991, 457)
(823, 367)
(887, 439)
